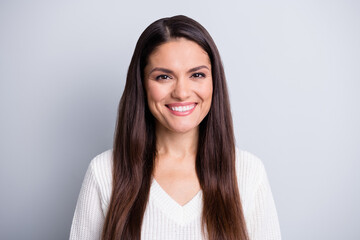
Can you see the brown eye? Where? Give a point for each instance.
(162, 77)
(198, 75)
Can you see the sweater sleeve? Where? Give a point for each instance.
(88, 218)
(263, 222)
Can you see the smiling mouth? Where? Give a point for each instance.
(181, 108)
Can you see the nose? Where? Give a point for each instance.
(181, 90)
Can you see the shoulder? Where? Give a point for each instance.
(102, 162)
(250, 173)
(244, 157)
(256, 197)
(100, 168)
(248, 164)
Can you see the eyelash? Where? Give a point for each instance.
(165, 77)
(200, 75)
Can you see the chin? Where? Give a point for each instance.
(182, 129)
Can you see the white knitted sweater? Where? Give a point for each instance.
(164, 218)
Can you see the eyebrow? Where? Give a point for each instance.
(169, 71)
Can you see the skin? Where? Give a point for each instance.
(178, 71)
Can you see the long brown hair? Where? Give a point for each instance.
(135, 145)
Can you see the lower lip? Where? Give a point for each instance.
(182, 114)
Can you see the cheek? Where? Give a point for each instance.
(206, 91)
(155, 93)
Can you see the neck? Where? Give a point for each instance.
(177, 145)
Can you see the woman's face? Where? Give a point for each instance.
(178, 85)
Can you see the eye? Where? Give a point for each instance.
(162, 77)
(198, 75)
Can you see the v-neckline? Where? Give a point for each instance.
(182, 214)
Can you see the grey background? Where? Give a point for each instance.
(292, 69)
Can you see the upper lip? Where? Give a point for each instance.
(180, 104)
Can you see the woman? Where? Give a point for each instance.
(174, 171)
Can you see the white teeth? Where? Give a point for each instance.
(183, 108)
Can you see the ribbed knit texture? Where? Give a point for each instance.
(164, 218)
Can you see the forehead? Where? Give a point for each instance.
(179, 53)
